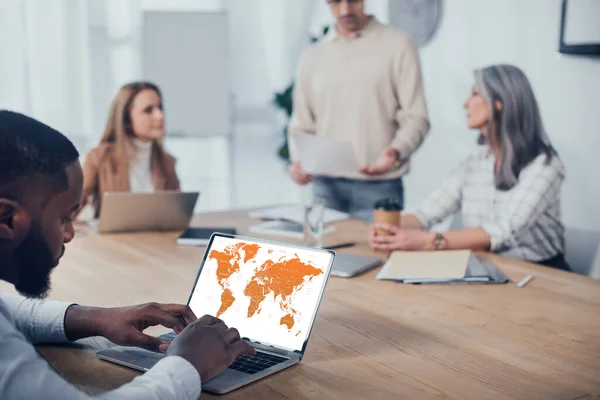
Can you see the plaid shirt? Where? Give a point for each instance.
(523, 222)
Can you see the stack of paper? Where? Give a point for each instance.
(456, 266)
(295, 213)
(324, 156)
(446, 265)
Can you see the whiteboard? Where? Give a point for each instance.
(186, 53)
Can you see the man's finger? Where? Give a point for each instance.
(375, 171)
(370, 170)
(367, 171)
(147, 342)
(163, 348)
(241, 347)
(220, 327)
(208, 320)
(159, 316)
(231, 335)
(182, 311)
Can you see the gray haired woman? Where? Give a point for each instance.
(508, 193)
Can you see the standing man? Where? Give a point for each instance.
(361, 84)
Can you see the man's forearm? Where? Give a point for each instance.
(82, 322)
(41, 321)
(410, 136)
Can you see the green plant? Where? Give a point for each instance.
(285, 100)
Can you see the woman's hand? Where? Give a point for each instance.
(399, 239)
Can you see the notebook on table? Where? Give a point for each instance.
(450, 267)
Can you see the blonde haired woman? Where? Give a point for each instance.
(130, 155)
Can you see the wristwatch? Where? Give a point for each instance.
(440, 242)
(397, 163)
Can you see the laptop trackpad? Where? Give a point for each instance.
(227, 380)
(131, 356)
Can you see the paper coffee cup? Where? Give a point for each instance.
(387, 211)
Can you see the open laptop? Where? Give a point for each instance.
(350, 265)
(157, 211)
(276, 320)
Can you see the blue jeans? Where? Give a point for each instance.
(356, 196)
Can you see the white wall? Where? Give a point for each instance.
(267, 38)
(44, 62)
(476, 33)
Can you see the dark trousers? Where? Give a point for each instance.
(558, 262)
(356, 196)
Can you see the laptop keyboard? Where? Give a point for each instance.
(256, 363)
(245, 363)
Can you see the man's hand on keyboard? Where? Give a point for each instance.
(209, 345)
(125, 325)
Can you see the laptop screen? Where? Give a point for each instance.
(269, 292)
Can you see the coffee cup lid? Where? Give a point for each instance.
(389, 204)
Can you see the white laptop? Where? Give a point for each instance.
(157, 211)
(276, 320)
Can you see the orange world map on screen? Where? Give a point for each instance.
(282, 277)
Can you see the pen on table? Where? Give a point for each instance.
(525, 281)
(339, 246)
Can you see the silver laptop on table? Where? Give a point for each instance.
(157, 211)
(276, 320)
(350, 265)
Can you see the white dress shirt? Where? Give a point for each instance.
(140, 169)
(523, 222)
(25, 375)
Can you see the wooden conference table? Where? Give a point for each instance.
(372, 339)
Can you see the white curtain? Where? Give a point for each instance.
(45, 63)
